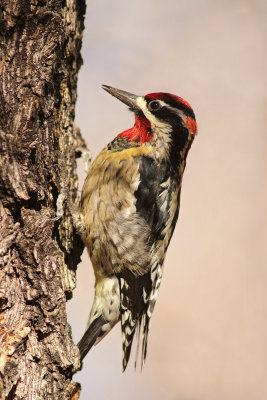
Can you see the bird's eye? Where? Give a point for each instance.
(154, 105)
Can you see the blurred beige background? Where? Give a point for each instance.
(208, 339)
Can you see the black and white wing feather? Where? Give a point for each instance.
(157, 203)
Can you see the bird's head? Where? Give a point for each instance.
(163, 119)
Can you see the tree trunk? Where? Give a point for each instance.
(40, 43)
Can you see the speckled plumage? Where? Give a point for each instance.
(129, 208)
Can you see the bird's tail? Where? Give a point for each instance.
(129, 327)
(104, 314)
(138, 298)
(92, 333)
(144, 325)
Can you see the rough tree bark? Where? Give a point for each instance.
(40, 43)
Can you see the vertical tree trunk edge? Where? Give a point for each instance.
(40, 43)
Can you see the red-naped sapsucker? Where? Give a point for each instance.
(129, 208)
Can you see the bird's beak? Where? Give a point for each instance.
(127, 98)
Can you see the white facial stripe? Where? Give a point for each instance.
(141, 103)
(161, 130)
(181, 114)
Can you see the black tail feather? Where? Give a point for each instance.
(145, 326)
(90, 336)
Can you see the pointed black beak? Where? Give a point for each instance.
(127, 98)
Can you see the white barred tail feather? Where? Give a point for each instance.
(138, 298)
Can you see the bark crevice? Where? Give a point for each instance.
(40, 57)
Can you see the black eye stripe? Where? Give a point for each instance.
(170, 100)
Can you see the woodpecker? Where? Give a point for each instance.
(129, 208)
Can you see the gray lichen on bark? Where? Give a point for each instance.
(40, 45)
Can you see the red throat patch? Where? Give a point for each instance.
(140, 132)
